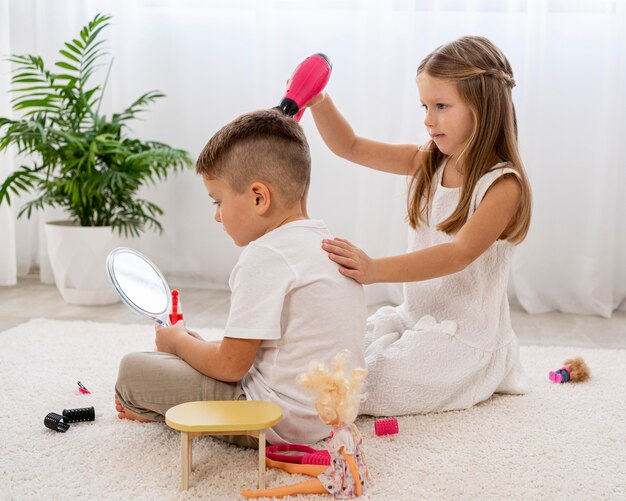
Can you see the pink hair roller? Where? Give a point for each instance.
(386, 426)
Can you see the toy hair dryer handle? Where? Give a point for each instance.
(307, 81)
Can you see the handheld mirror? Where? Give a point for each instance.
(139, 283)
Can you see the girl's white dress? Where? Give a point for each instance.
(450, 344)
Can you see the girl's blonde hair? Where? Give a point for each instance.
(484, 79)
(338, 392)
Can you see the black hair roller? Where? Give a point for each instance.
(55, 422)
(78, 415)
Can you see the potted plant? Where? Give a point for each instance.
(82, 162)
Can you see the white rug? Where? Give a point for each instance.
(558, 442)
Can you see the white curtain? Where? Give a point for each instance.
(218, 59)
(8, 262)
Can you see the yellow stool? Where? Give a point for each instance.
(231, 417)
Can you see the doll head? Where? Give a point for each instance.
(578, 369)
(338, 392)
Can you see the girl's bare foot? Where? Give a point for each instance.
(126, 414)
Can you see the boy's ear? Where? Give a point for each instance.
(262, 197)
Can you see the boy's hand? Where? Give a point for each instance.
(354, 263)
(166, 338)
(195, 334)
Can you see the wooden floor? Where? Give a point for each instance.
(205, 308)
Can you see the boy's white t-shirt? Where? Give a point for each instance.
(288, 293)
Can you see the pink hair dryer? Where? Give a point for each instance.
(308, 80)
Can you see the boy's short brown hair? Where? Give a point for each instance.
(262, 145)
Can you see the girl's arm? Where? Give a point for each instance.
(486, 225)
(338, 135)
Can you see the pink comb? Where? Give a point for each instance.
(386, 426)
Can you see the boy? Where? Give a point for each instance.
(289, 305)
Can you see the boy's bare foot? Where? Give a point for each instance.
(126, 414)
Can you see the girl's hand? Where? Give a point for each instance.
(316, 100)
(166, 338)
(353, 262)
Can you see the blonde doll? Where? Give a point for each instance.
(337, 402)
(450, 344)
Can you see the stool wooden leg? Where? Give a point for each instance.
(262, 459)
(185, 459)
(189, 455)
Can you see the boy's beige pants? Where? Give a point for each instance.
(149, 383)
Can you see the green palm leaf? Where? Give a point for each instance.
(82, 161)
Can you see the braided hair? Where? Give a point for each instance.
(484, 79)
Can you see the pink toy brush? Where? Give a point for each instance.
(297, 453)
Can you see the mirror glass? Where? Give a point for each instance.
(139, 283)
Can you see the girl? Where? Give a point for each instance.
(450, 344)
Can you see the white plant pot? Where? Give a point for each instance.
(46, 275)
(78, 258)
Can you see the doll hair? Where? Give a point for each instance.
(578, 369)
(338, 393)
(484, 79)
